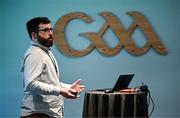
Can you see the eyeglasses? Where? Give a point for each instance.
(46, 30)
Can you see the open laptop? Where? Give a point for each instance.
(122, 83)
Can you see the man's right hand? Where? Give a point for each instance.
(68, 93)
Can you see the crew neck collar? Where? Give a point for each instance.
(36, 43)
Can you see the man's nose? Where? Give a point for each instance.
(50, 34)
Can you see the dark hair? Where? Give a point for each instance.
(33, 24)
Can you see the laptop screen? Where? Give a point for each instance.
(123, 82)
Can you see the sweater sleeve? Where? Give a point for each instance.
(43, 88)
(33, 66)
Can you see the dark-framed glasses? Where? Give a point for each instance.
(46, 30)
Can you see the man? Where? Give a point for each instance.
(43, 91)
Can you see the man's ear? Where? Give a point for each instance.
(34, 35)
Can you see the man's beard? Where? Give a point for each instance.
(45, 42)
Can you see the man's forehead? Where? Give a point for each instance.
(44, 25)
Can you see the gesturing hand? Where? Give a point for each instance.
(74, 89)
(76, 86)
(68, 93)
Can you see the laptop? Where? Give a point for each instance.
(122, 83)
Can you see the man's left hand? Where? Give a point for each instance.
(77, 86)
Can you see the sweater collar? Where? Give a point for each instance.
(36, 43)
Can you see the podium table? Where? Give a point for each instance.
(117, 104)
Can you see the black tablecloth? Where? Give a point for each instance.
(117, 104)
